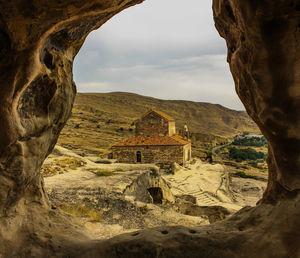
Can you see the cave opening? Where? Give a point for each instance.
(255, 56)
(156, 194)
(112, 60)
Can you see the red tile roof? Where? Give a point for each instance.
(162, 114)
(152, 141)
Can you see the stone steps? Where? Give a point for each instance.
(203, 198)
(206, 199)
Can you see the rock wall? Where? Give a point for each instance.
(263, 54)
(38, 42)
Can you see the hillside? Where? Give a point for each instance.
(100, 119)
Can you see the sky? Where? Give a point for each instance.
(160, 48)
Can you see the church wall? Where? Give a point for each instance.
(162, 155)
(172, 128)
(152, 125)
(187, 152)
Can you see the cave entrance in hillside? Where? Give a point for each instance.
(156, 194)
(138, 157)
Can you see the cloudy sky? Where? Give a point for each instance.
(160, 48)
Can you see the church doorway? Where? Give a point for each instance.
(138, 157)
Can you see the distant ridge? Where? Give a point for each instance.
(123, 107)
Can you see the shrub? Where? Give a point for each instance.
(251, 141)
(245, 154)
(253, 164)
(103, 172)
(242, 174)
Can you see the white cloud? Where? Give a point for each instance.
(165, 49)
(95, 86)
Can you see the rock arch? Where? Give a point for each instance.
(38, 42)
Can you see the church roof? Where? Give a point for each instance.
(152, 141)
(162, 114)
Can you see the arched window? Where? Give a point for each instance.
(138, 157)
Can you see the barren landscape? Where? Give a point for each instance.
(114, 198)
(110, 198)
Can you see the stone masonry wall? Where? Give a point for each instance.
(152, 154)
(186, 149)
(152, 125)
(172, 128)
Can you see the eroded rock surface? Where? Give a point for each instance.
(38, 42)
(263, 52)
(124, 199)
(139, 196)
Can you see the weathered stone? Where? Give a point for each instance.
(263, 53)
(155, 123)
(116, 196)
(38, 42)
(175, 167)
(160, 155)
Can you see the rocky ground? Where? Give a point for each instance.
(111, 198)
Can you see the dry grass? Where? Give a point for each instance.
(104, 172)
(101, 172)
(61, 165)
(50, 170)
(70, 163)
(82, 211)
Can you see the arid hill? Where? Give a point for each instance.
(101, 119)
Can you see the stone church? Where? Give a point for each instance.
(155, 141)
